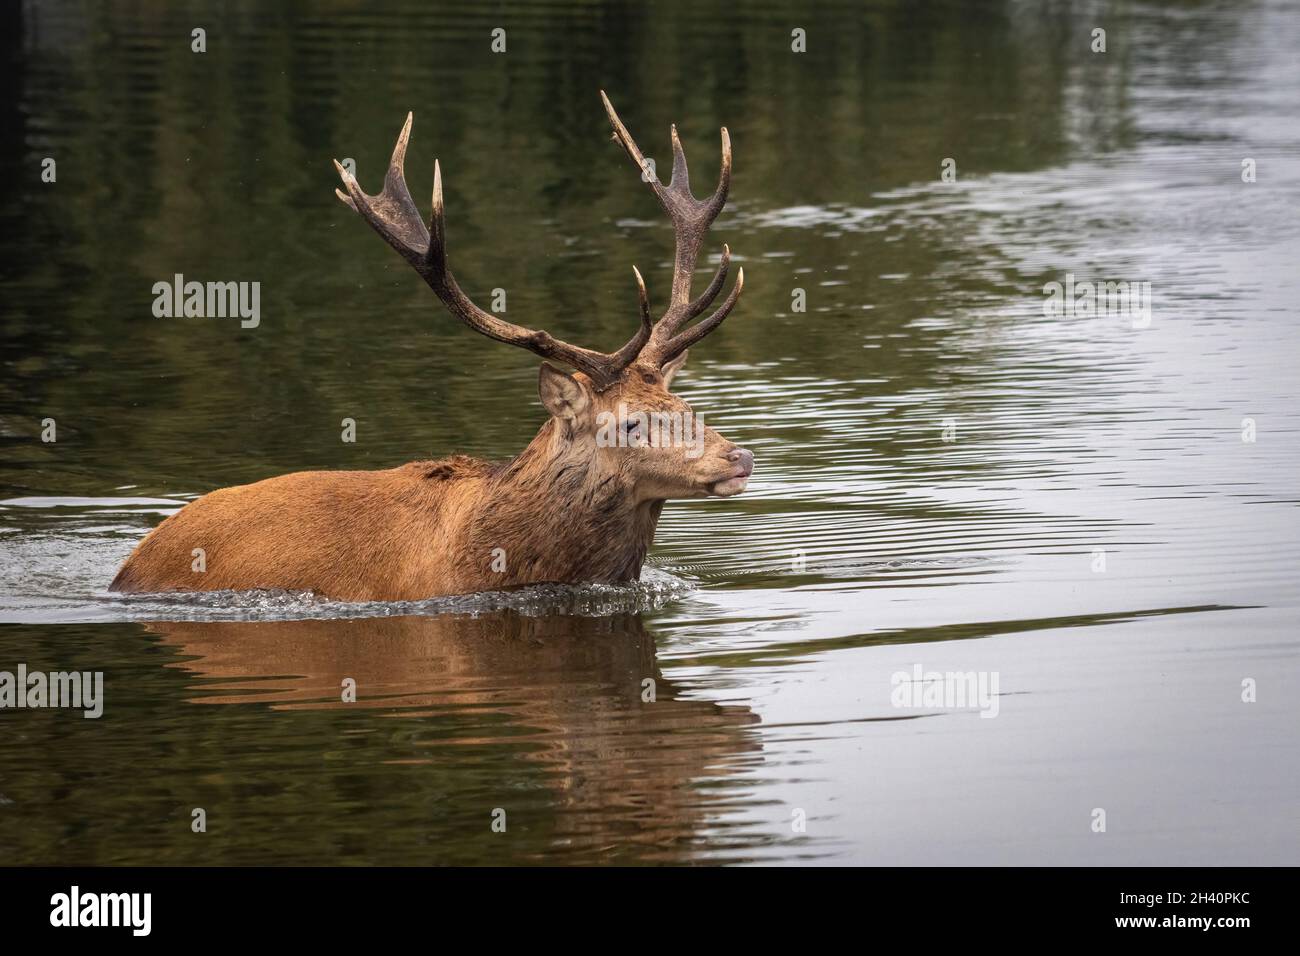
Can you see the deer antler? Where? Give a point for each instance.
(691, 219)
(393, 214)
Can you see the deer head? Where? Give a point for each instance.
(614, 414)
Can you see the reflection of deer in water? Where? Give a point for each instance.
(567, 690)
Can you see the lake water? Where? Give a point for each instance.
(1098, 511)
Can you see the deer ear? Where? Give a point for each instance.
(672, 368)
(563, 395)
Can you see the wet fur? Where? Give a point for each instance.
(560, 511)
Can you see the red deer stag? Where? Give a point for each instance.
(579, 504)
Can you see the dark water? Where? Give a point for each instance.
(769, 624)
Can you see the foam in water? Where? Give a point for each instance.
(655, 589)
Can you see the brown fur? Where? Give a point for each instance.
(566, 509)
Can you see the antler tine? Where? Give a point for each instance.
(680, 343)
(681, 175)
(436, 257)
(395, 178)
(715, 286)
(394, 216)
(624, 139)
(628, 353)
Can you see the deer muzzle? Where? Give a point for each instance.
(742, 461)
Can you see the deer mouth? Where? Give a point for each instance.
(729, 486)
(734, 483)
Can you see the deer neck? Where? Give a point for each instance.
(557, 517)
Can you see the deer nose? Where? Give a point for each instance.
(744, 458)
